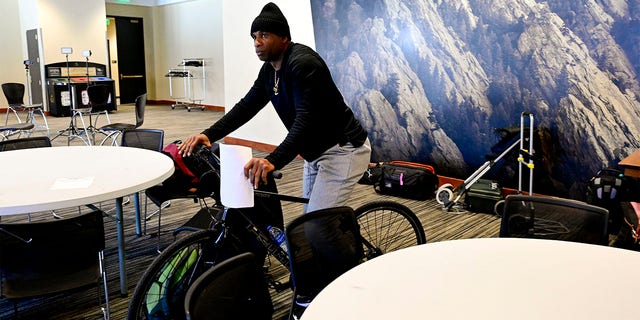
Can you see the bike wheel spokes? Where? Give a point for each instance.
(161, 290)
(388, 226)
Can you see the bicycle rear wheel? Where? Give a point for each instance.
(388, 226)
(160, 291)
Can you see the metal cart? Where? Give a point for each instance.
(191, 74)
(445, 193)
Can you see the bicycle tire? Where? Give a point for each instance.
(388, 226)
(208, 254)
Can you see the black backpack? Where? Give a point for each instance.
(607, 189)
(200, 171)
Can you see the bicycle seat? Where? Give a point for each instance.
(209, 186)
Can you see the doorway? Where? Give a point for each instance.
(126, 57)
(34, 86)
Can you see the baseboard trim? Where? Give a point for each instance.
(170, 102)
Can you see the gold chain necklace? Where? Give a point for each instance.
(276, 82)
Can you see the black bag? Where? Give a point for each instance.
(409, 180)
(608, 189)
(198, 173)
(483, 195)
(372, 174)
(203, 160)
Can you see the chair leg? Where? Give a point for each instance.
(55, 215)
(106, 114)
(144, 223)
(106, 311)
(164, 205)
(39, 127)
(113, 136)
(15, 113)
(158, 240)
(73, 135)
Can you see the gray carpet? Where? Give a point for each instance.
(178, 123)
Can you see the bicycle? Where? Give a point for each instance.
(384, 225)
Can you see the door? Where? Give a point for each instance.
(131, 59)
(32, 68)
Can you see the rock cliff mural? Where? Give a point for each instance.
(432, 80)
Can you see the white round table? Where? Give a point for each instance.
(491, 278)
(42, 179)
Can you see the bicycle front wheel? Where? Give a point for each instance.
(161, 290)
(388, 226)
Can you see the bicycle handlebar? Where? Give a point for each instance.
(276, 174)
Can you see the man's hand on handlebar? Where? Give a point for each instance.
(258, 169)
(187, 146)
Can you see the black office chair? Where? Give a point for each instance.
(150, 139)
(49, 257)
(114, 130)
(25, 143)
(99, 96)
(233, 289)
(98, 102)
(14, 93)
(16, 128)
(554, 218)
(322, 245)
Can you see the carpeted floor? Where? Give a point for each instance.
(140, 251)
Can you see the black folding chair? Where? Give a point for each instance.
(45, 258)
(322, 244)
(554, 218)
(233, 289)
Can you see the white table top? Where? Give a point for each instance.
(42, 179)
(493, 278)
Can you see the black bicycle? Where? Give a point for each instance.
(385, 226)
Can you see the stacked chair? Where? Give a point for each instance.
(98, 104)
(14, 93)
(114, 130)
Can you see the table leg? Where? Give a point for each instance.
(121, 250)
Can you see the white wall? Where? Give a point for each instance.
(11, 37)
(217, 30)
(191, 29)
(88, 31)
(60, 27)
(241, 65)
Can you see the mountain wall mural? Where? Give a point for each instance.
(433, 80)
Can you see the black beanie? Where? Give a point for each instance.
(271, 20)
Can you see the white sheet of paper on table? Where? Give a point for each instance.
(72, 183)
(236, 191)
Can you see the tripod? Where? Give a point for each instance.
(34, 107)
(72, 131)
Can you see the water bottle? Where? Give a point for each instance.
(278, 236)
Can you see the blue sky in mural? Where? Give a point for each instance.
(433, 81)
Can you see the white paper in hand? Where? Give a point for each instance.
(236, 191)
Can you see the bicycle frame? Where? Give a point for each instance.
(220, 238)
(264, 239)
